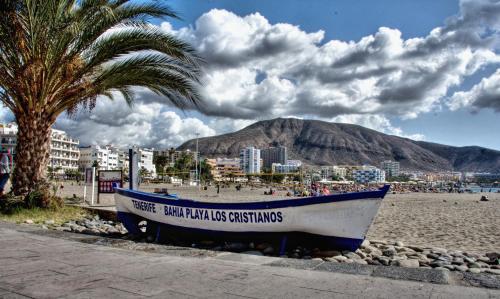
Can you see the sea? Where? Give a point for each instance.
(477, 189)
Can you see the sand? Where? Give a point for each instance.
(451, 221)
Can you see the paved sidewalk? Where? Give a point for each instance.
(38, 266)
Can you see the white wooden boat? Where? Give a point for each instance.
(333, 221)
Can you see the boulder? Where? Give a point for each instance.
(407, 263)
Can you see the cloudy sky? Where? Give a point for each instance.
(427, 70)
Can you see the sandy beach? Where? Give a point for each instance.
(451, 221)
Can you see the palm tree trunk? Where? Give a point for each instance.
(32, 153)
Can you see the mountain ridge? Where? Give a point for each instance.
(318, 142)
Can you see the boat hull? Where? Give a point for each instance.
(336, 221)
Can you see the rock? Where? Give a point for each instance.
(268, 250)
(493, 256)
(373, 262)
(348, 261)
(469, 260)
(331, 259)
(44, 227)
(461, 268)
(360, 253)
(372, 250)
(449, 267)
(483, 259)
(317, 259)
(361, 262)
(63, 228)
(438, 250)
(390, 251)
(417, 249)
(399, 257)
(474, 265)
(235, 246)
(262, 246)
(492, 271)
(437, 264)
(96, 217)
(423, 261)
(433, 256)
(379, 242)
(407, 263)
(457, 261)
(365, 243)
(442, 269)
(474, 270)
(49, 222)
(253, 252)
(400, 244)
(484, 198)
(384, 260)
(340, 258)
(28, 221)
(113, 231)
(352, 256)
(483, 265)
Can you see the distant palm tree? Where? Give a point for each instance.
(60, 55)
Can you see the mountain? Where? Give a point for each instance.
(323, 143)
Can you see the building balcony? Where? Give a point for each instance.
(65, 140)
(64, 149)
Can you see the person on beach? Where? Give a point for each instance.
(5, 169)
(325, 190)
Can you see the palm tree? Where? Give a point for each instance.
(63, 55)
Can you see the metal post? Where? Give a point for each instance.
(93, 185)
(84, 192)
(133, 169)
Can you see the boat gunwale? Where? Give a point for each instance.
(254, 205)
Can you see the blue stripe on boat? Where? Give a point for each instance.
(130, 222)
(296, 202)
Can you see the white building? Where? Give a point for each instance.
(368, 174)
(340, 172)
(64, 152)
(391, 168)
(107, 157)
(328, 172)
(146, 160)
(8, 136)
(297, 163)
(250, 160)
(286, 168)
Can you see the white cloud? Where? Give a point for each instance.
(379, 74)
(376, 122)
(145, 124)
(485, 94)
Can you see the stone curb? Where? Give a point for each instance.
(400, 273)
(390, 272)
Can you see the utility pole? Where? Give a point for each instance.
(197, 178)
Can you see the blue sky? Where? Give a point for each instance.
(426, 70)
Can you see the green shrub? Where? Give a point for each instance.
(11, 204)
(44, 196)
